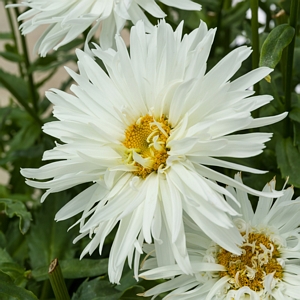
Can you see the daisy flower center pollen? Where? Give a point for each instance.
(258, 259)
(146, 144)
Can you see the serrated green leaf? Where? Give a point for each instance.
(9, 291)
(17, 208)
(75, 268)
(48, 239)
(272, 48)
(288, 160)
(97, 289)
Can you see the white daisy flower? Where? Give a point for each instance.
(69, 18)
(267, 269)
(145, 134)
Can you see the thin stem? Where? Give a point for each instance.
(12, 29)
(27, 67)
(289, 65)
(255, 38)
(57, 281)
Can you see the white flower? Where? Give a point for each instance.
(267, 269)
(69, 18)
(145, 135)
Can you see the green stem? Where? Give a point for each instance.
(46, 290)
(12, 29)
(57, 281)
(27, 67)
(289, 63)
(255, 38)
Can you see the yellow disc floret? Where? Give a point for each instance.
(146, 142)
(258, 259)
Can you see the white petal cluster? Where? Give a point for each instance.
(164, 75)
(279, 221)
(67, 19)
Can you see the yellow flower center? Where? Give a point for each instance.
(146, 144)
(258, 259)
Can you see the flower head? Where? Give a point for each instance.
(69, 18)
(267, 268)
(144, 135)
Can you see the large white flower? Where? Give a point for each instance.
(144, 134)
(69, 18)
(267, 269)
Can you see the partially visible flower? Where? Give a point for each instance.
(145, 134)
(69, 18)
(267, 269)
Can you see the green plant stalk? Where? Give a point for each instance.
(289, 63)
(57, 281)
(27, 66)
(12, 30)
(255, 38)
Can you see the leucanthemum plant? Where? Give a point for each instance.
(67, 19)
(144, 135)
(268, 267)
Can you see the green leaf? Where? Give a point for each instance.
(48, 239)
(295, 114)
(16, 244)
(12, 269)
(97, 289)
(132, 293)
(17, 208)
(9, 291)
(15, 85)
(4, 256)
(5, 36)
(288, 160)
(75, 268)
(14, 57)
(236, 14)
(272, 48)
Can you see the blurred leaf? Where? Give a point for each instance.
(14, 57)
(17, 208)
(4, 256)
(5, 36)
(48, 239)
(235, 14)
(16, 244)
(97, 289)
(295, 114)
(15, 85)
(2, 243)
(127, 279)
(132, 292)
(272, 48)
(285, 4)
(75, 268)
(9, 291)
(12, 269)
(288, 159)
